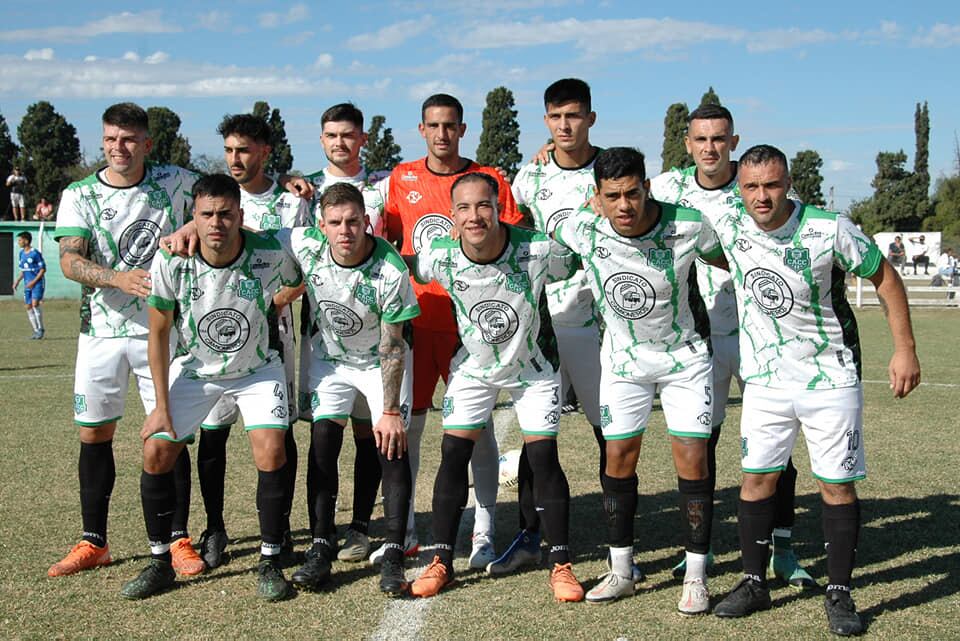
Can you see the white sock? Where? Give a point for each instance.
(414, 436)
(621, 561)
(696, 567)
(33, 320)
(39, 315)
(485, 463)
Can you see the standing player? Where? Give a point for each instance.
(266, 207)
(108, 227)
(639, 256)
(32, 270)
(17, 183)
(711, 187)
(218, 301)
(495, 275)
(417, 209)
(801, 365)
(360, 295)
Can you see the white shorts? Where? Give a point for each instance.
(468, 403)
(726, 367)
(338, 388)
(17, 200)
(832, 423)
(579, 349)
(686, 398)
(261, 398)
(102, 375)
(225, 413)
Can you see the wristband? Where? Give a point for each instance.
(390, 413)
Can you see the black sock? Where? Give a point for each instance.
(326, 438)
(450, 493)
(696, 514)
(712, 458)
(366, 482)
(289, 475)
(270, 495)
(841, 528)
(397, 483)
(211, 470)
(552, 494)
(785, 496)
(755, 522)
(529, 519)
(311, 485)
(602, 446)
(158, 495)
(181, 481)
(620, 506)
(97, 475)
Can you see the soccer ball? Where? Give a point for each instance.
(509, 468)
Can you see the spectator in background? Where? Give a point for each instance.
(918, 252)
(947, 267)
(17, 183)
(896, 254)
(44, 210)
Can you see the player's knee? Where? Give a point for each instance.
(622, 457)
(160, 455)
(269, 449)
(757, 487)
(98, 434)
(838, 493)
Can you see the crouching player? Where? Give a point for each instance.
(218, 299)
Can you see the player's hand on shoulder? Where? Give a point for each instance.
(543, 154)
(182, 242)
(296, 185)
(158, 422)
(904, 372)
(135, 282)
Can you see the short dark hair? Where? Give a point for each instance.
(27, 235)
(441, 100)
(711, 112)
(568, 90)
(246, 125)
(216, 186)
(619, 162)
(344, 112)
(341, 194)
(127, 114)
(477, 176)
(761, 155)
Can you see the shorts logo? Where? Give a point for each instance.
(250, 288)
(429, 227)
(630, 295)
(797, 258)
(366, 294)
(270, 222)
(605, 417)
(660, 258)
(552, 418)
(79, 403)
(279, 411)
(414, 197)
(498, 322)
(543, 194)
(108, 214)
(849, 463)
(224, 330)
(558, 217)
(704, 419)
(447, 406)
(138, 242)
(314, 401)
(343, 320)
(744, 450)
(518, 282)
(770, 292)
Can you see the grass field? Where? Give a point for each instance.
(906, 583)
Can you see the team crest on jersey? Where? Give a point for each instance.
(224, 330)
(414, 197)
(558, 217)
(270, 222)
(108, 214)
(429, 227)
(630, 295)
(138, 242)
(796, 258)
(343, 320)
(770, 292)
(249, 289)
(366, 294)
(660, 258)
(518, 282)
(498, 322)
(158, 199)
(79, 403)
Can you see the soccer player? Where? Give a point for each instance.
(639, 256)
(267, 206)
(32, 270)
(800, 360)
(417, 209)
(218, 300)
(710, 186)
(495, 276)
(108, 227)
(361, 299)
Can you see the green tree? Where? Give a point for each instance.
(893, 206)
(946, 212)
(281, 156)
(500, 138)
(8, 152)
(710, 98)
(674, 129)
(87, 165)
(921, 162)
(806, 178)
(169, 147)
(48, 148)
(205, 164)
(381, 152)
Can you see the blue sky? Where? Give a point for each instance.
(842, 78)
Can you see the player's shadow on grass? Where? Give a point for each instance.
(27, 368)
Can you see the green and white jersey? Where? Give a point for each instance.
(350, 303)
(548, 194)
(221, 312)
(123, 226)
(503, 326)
(680, 187)
(646, 290)
(274, 209)
(797, 330)
(373, 186)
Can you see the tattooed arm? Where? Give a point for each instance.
(904, 368)
(389, 433)
(77, 267)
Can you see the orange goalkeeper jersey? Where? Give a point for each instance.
(418, 210)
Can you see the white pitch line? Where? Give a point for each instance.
(11, 376)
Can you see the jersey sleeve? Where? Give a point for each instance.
(392, 223)
(399, 302)
(290, 275)
(570, 233)
(304, 214)
(70, 216)
(41, 264)
(163, 294)
(562, 263)
(708, 245)
(423, 265)
(284, 236)
(854, 251)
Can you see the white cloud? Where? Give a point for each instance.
(295, 14)
(131, 56)
(390, 36)
(323, 61)
(126, 22)
(778, 39)
(297, 38)
(214, 20)
(939, 35)
(90, 59)
(839, 165)
(424, 90)
(39, 54)
(157, 57)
